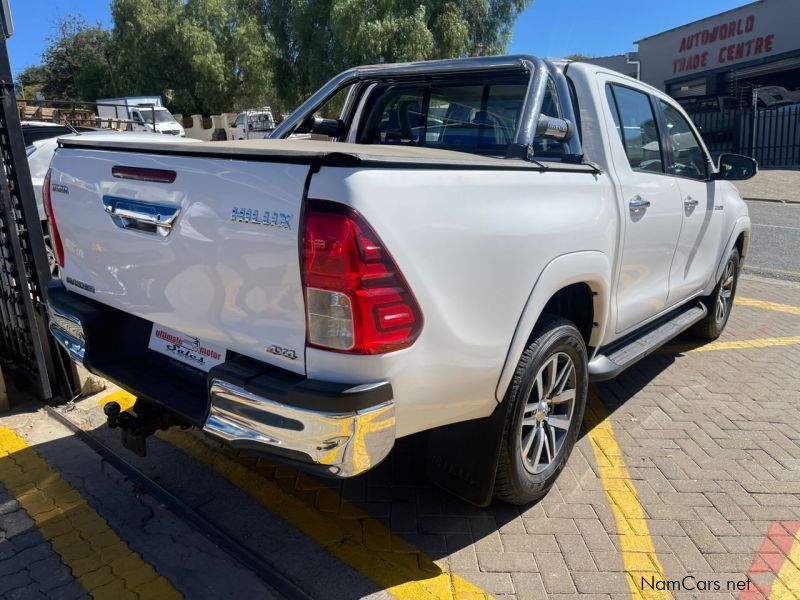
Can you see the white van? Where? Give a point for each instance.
(147, 113)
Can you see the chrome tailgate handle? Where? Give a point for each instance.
(149, 217)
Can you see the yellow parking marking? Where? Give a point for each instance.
(103, 564)
(787, 583)
(638, 553)
(341, 528)
(734, 345)
(785, 308)
(123, 398)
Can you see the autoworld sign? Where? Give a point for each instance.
(731, 41)
(755, 32)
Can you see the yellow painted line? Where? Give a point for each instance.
(103, 564)
(784, 308)
(125, 400)
(734, 345)
(638, 553)
(344, 530)
(787, 583)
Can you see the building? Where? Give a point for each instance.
(727, 54)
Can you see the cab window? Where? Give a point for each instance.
(479, 117)
(688, 157)
(637, 128)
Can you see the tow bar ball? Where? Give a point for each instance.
(112, 411)
(136, 428)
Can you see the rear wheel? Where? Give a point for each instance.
(548, 396)
(720, 302)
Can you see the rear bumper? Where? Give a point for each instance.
(335, 429)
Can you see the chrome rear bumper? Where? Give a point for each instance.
(335, 429)
(68, 331)
(339, 444)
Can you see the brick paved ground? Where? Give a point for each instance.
(710, 437)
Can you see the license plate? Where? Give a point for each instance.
(186, 348)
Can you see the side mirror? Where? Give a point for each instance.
(736, 167)
(329, 127)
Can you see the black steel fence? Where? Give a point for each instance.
(770, 135)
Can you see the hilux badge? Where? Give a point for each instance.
(252, 215)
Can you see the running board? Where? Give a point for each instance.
(619, 356)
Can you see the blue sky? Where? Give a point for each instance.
(547, 28)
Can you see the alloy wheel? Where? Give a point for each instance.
(725, 296)
(548, 413)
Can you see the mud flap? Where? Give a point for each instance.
(463, 457)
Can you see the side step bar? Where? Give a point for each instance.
(615, 358)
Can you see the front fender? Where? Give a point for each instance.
(590, 267)
(741, 225)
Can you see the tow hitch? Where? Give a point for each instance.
(136, 428)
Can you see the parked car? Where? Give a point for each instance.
(479, 243)
(253, 124)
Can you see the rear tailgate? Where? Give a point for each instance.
(226, 273)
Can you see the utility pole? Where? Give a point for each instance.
(755, 122)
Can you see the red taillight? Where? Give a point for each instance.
(52, 227)
(357, 300)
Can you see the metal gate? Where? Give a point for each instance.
(770, 135)
(26, 348)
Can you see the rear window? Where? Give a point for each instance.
(479, 117)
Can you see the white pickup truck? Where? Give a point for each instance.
(479, 239)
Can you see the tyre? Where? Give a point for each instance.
(548, 397)
(720, 302)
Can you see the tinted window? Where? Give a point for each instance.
(239, 121)
(688, 158)
(636, 124)
(480, 117)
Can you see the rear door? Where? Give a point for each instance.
(651, 205)
(227, 271)
(700, 239)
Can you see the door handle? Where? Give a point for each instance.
(149, 217)
(638, 205)
(690, 202)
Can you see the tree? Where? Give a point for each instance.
(315, 39)
(212, 54)
(75, 61)
(579, 57)
(32, 79)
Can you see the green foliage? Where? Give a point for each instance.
(211, 56)
(315, 39)
(32, 79)
(74, 65)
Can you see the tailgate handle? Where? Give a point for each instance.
(149, 217)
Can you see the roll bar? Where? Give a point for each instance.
(531, 123)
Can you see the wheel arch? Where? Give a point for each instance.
(739, 237)
(571, 285)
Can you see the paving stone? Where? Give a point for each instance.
(507, 562)
(600, 582)
(529, 586)
(555, 574)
